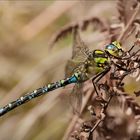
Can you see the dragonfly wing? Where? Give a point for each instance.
(70, 67)
(80, 50)
(76, 98)
(79, 54)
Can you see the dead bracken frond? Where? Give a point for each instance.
(96, 22)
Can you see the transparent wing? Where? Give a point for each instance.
(71, 66)
(76, 98)
(80, 50)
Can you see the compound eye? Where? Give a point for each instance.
(110, 47)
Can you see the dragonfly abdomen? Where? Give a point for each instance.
(38, 92)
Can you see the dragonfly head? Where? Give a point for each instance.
(114, 49)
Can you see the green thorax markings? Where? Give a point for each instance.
(101, 60)
(96, 62)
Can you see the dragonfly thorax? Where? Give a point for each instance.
(96, 62)
(99, 58)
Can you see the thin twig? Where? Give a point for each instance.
(96, 125)
(102, 117)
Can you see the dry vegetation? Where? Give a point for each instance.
(30, 58)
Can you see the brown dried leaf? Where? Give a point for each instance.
(137, 93)
(131, 102)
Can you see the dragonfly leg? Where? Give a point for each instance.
(135, 43)
(135, 53)
(131, 55)
(131, 49)
(120, 67)
(96, 79)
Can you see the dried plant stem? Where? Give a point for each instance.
(70, 127)
(96, 125)
(120, 38)
(102, 117)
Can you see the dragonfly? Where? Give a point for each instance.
(95, 65)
